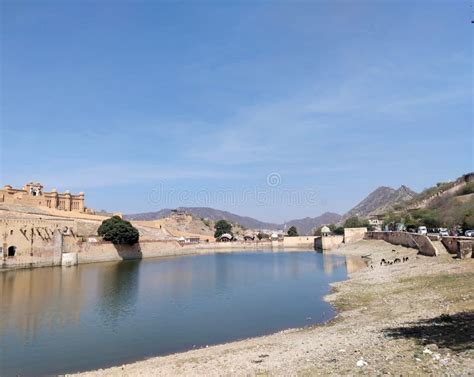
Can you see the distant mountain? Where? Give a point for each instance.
(208, 213)
(308, 224)
(304, 226)
(380, 201)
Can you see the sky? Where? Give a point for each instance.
(271, 109)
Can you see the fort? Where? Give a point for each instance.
(32, 195)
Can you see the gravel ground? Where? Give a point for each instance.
(410, 318)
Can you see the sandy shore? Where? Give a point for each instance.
(412, 318)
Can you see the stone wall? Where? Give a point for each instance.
(413, 240)
(102, 251)
(33, 242)
(354, 234)
(450, 243)
(303, 241)
(328, 242)
(465, 249)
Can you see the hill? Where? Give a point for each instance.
(304, 226)
(210, 214)
(448, 204)
(380, 201)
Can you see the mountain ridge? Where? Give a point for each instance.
(304, 225)
(380, 200)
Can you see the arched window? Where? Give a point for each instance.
(11, 251)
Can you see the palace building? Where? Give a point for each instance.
(32, 195)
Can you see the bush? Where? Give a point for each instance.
(263, 236)
(339, 231)
(355, 222)
(118, 231)
(427, 217)
(292, 232)
(468, 189)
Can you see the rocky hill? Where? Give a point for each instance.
(380, 201)
(210, 214)
(308, 224)
(304, 226)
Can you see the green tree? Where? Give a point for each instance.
(353, 222)
(468, 221)
(292, 232)
(221, 227)
(262, 236)
(339, 231)
(118, 231)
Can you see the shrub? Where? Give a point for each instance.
(118, 231)
(468, 189)
(292, 232)
(339, 231)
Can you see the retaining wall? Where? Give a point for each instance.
(354, 234)
(303, 241)
(465, 249)
(452, 243)
(413, 240)
(328, 242)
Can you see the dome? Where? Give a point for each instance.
(325, 229)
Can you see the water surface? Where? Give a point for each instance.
(59, 320)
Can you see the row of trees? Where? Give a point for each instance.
(434, 218)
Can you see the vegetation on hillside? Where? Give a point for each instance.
(445, 211)
(118, 231)
(356, 222)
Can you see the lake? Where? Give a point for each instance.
(60, 320)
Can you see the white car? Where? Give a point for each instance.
(443, 233)
(422, 230)
(469, 233)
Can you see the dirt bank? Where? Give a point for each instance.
(412, 318)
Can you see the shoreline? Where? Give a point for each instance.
(386, 315)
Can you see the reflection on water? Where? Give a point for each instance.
(57, 320)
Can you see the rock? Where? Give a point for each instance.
(432, 347)
(427, 351)
(361, 363)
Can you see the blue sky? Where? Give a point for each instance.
(145, 105)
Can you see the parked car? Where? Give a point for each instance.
(422, 230)
(469, 233)
(443, 233)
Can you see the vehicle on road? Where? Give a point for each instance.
(444, 233)
(469, 233)
(422, 230)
